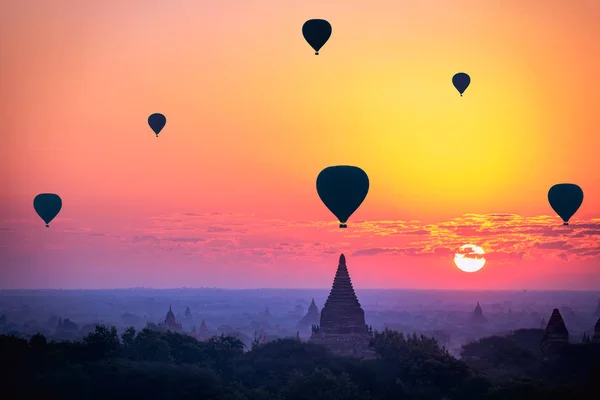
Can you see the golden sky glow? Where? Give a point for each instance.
(253, 116)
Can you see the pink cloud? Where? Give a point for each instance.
(230, 243)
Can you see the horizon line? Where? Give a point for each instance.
(297, 289)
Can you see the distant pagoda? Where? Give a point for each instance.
(477, 317)
(311, 318)
(596, 337)
(556, 334)
(342, 327)
(202, 333)
(170, 323)
(267, 313)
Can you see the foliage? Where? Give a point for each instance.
(165, 365)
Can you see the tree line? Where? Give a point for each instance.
(150, 364)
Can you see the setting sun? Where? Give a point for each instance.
(469, 258)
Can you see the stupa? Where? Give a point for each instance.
(342, 328)
(311, 318)
(477, 317)
(596, 337)
(556, 334)
(170, 323)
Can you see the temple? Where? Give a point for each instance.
(477, 317)
(596, 337)
(556, 334)
(202, 333)
(170, 323)
(311, 318)
(342, 327)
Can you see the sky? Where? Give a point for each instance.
(226, 197)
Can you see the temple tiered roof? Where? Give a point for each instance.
(342, 312)
(342, 326)
(477, 316)
(170, 323)
(556, 333)
(556, 324)
(312, 317)
(170, 318)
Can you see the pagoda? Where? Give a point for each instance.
(311, 318)
(342, 327)
(556, 334)
(201, 333)
(170, 324)
(477, 317)
(596, 337)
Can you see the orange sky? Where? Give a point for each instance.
(253, 116)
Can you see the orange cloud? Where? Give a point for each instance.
(218, 236)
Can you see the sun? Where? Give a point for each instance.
(469, 258)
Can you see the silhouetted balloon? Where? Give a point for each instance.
(316, 32)
(47, 206)
(461, 82)
(157, 122)
(342, 189)
(565, 199)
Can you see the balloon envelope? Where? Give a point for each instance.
(461, 82)
(157, 122)
(565, 199)
(316, 32)
(342, 189)
(47, 206)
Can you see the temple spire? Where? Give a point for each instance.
(556, 333)
(342, 326)
(596, 336)
(342, 311)
(477, 316)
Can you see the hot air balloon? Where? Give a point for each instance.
(316, 32)
(47, 206)
(342, 189)
(461, 82)
(157, 122)
(565, 199)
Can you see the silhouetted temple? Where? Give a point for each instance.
(170, 323)
(556, 334)
(342, 327)
(311, 318)
(596, 337)
(201, 333)
(477, 317)
(267, 313)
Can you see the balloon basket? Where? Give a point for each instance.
(565, 223)
(47, 226)
(343, 226)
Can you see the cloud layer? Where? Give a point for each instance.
(506, 238)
